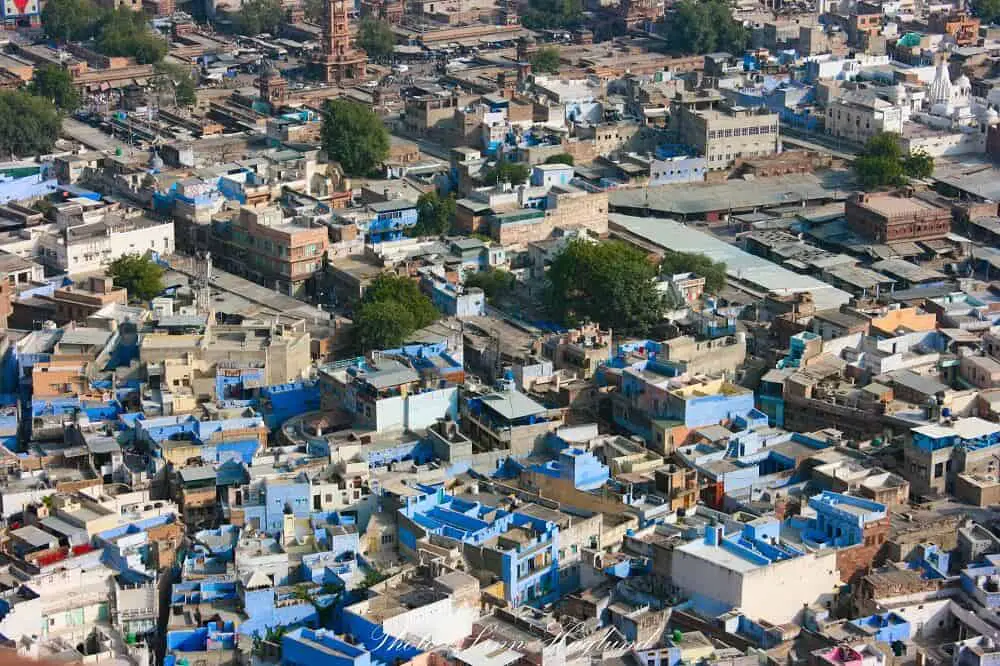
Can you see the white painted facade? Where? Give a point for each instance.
(777, 592)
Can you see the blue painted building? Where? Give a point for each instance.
(841, 519)
(210, 638)
(455, 300)
(525, 549)
(580, 467)
(547, 175)
(283, 401)
(390, 220)
(234, 381)
(219, 441)
(675, 163)
(887, 627)
(982, 582)
(267, 501)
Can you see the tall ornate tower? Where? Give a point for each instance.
(272, 86)
(339, 60)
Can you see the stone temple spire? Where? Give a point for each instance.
(940, 90)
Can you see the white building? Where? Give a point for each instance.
(89, 247)
(861, 115)
(73, 247)
(715, 575)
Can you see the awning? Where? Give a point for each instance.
(938, 246)
(906, 249)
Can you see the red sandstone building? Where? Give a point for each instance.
(339, 60)
(883, 217)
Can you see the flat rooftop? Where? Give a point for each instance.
(740, 265)
(893, 206)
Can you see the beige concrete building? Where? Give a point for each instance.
(723, 135)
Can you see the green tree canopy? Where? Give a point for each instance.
(29, 125)
(918, 164)
(705, 26)
(376, 37)
(882, 164)
(68, 20)
(611, 283)
(55, 83)
(495, 282)
(544, 14)
(354, 136)
(435, 214)
(988, 11)
(257, 16)
(514, 173)
(313, 10)
(123, 32)
(561, 158)
(392, 309)
(139, 275)
(182, 82)
(546, 60)
(714, 272)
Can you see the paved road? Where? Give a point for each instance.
(91, 137)
(818, 142)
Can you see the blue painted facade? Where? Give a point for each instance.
(529, 567)
(943, 437)
(231, 383)
(841, 519)
(214, 636)
(283, 401)
(270, 514)
(217, 439)
(450, 300)
(886, 627)
(547, 175)
(580, 467)
(268, 608)
(982, 582)
(382, 648)
(390, 221)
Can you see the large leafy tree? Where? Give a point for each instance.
(714, 272)
(918, 164)
(257, 16)
(495, 282)
(180, 81)
(392, 309)
(313, 10)
(882, 164)
(546, 60)
(29, 125)
(55, 83)
(123, 32)
(543, 14)
(354, 136)
(704, 26)
(139, 275)
(514, 173)
(435, 214)
(69, 19)
(611, 283)
(987, 10)
(376, 37)
(561, 158)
